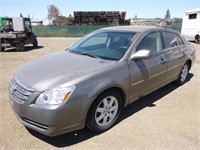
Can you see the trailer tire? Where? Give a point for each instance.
(197, 39)
(20, 46)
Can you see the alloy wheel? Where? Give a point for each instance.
(106, 111)
(184, 73)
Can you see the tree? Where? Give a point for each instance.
(53, 13)
(62, 20)
(70, 19)
(167, 15)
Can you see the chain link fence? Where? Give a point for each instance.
(64, 31)
(70, 31)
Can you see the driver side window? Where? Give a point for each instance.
(152, 42)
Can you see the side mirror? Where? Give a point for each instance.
(141, 54)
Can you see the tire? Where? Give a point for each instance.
(2, 49)
(35, 43)
(184, 74)
(20, 46)
(104, 112)
(197, 39)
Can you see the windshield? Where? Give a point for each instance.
(104, 44)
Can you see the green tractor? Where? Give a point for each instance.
(16, 32)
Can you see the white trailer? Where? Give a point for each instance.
(191, 25)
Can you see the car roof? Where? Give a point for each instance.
(137, 28)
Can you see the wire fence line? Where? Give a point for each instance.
(70, 31)
(64, 31)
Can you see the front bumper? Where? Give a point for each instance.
(51, 120)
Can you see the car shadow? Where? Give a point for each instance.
(150, 99)
(85, 134)
(65, 139)
(27, 48)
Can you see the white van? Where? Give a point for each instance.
(191, 25)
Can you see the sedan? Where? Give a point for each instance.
(91, 82)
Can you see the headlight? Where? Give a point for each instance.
(55, 96)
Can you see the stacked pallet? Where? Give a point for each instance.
(99, 17)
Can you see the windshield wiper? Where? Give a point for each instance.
(84, 53)
(89, 54)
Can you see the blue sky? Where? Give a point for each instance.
(37, 9)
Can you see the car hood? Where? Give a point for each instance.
(55, 69)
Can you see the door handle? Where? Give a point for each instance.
(162, 60)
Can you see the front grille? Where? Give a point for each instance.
(19, 92)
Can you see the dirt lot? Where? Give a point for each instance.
(166, 119)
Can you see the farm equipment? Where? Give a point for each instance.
(16, 32)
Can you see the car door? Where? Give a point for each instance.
(173, 46)
(148, 74)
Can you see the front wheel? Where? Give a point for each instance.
(104, 112)
(183, 75)
(35, 43)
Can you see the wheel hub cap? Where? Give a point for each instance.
(184, 73)
(106, 111)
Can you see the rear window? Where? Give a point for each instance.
(169, 38)
(193, 16)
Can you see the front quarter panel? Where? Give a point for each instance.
(92, 85)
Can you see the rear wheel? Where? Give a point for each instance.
(104, 112)
(197, 39)
(184, 74)
(20, 46)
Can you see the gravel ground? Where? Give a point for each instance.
(169, 118)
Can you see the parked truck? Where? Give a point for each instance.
(16, 32)
(191, 25)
